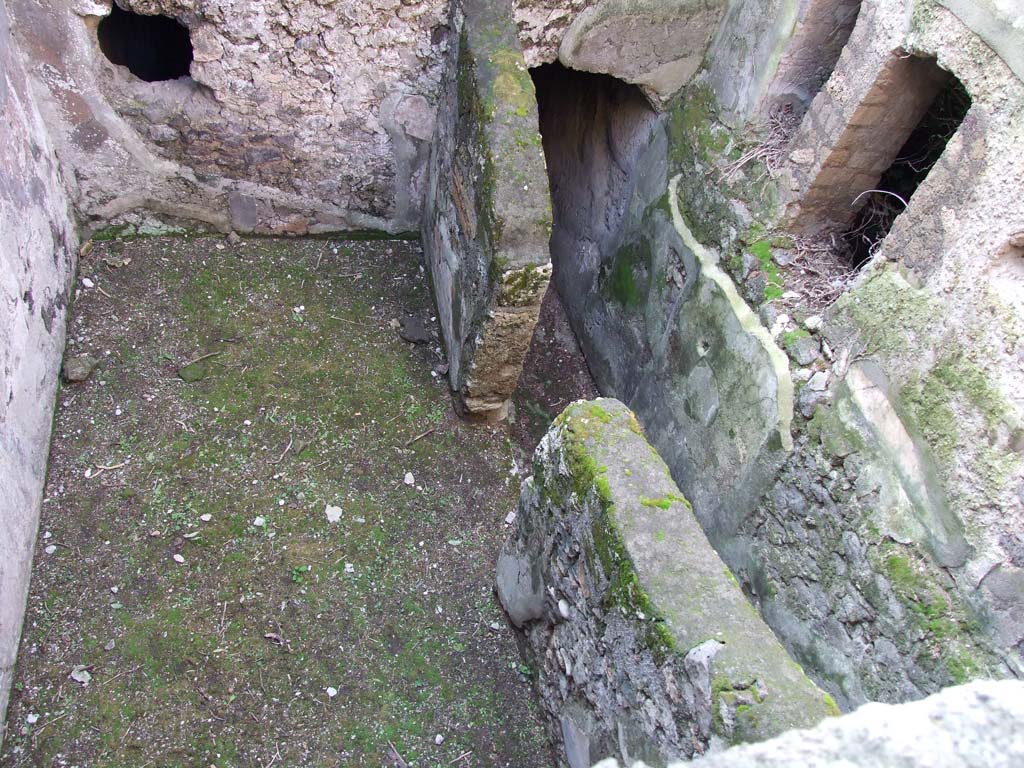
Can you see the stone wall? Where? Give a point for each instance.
(888, 552)
(859, 121)
(487, 213)
(884, 548)
(643, 644)
(821, 32)
(662, 326)
(36, 264)
(297, 117)
(657, 45)
(963, 727)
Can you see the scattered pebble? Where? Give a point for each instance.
(206, 517)
(88, 283)
(178, 558)
(50, 549)
(109, 646)
(350, 568)
(409, 479)
(31, 718)
(332, 692)
(439, 739)
(333, 513)
(80, 675)
(260, 521)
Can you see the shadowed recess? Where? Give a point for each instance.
(153, 48)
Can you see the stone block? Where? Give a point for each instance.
(644, 645)
(656, 44)
(487, 214)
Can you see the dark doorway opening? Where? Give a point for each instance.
(917, 156)
(152, 47)
(594, 128)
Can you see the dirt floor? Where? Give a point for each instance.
(266, 541)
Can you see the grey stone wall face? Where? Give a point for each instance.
(298, 117)
(662, 326)
(970, 726)
(487, 213)
(655, 44)
(643, 645)
(884, 549)
(37, 246)
(887, 554)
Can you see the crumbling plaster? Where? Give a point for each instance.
(299, 117)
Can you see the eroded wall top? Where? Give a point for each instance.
(298, 116)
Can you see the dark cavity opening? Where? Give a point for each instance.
(152, 47)
(594, 130)
(918, 155)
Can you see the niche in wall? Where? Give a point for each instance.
(153, 48)
(594, 128)
(918, 155)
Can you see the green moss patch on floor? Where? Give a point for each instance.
(186, 560)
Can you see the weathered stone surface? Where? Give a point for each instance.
(880, 553)
(644, 645)
(79, 367)
(298, 117)
(663, 326)
(970, 726)
(656, 44)
(487, 212)
(36, 263)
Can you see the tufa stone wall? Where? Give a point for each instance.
(888, 552)
(298, 117)
(643, 644)
(662, 325)
(657, 45)
(36, 265)
(884, 548)
(487, 213)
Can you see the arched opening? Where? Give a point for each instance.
(594, 128)
(153, 48)
(915, 159)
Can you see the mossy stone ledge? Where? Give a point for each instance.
(643, 644)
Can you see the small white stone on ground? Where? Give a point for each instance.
(80, 675)
(409, 479)
(206, 518)
(50, 549)
(332, 692)
(179, 558)
(439, 739)
(333, 513)
(260, 521)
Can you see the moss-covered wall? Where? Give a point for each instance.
(885, 547)
(641, 639)
(487, 212)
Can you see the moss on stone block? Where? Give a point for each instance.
(662, 574)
